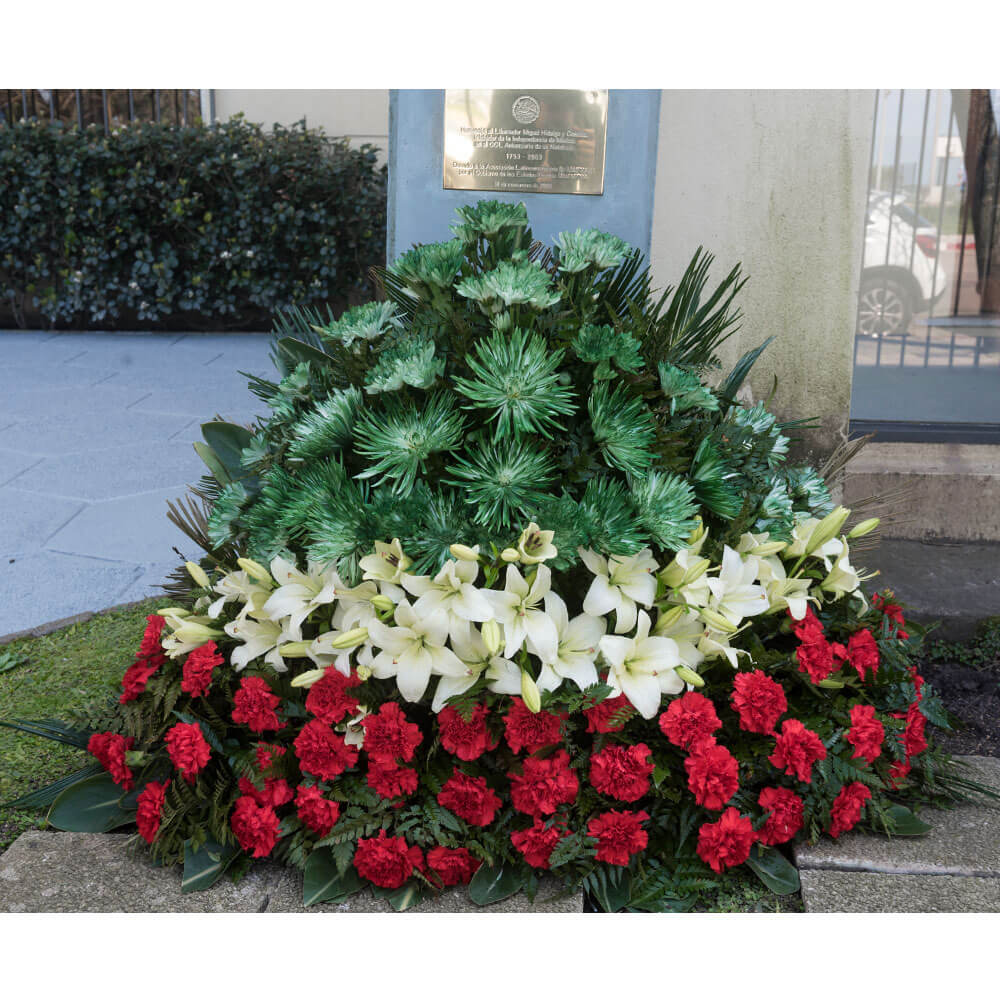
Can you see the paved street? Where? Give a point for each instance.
(95, 437)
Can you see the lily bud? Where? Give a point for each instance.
(255, 570)
(687, 675)
(696, 538)
(769, 549)
(173, 612)
(189, 630)
(197, 574)
(697, 570)
(831, 682)
(464, 552)
(492, 637)
(510, 555)
(307, 679)
(382, 603)
(669, 618)
(828, 528)
(864, 528)
(719, 622)
(530, 693)
(363, 672)
(350, 639)
(294, 649)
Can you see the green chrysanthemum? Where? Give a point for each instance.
(517, 378)
(590, 248)
(624, 428)
(407, 362)
(685, 390)
(432, 265)
(365, 322)
(222, 526)
(509, 284)
(808, 490)
(488, 219)
(666, 506)
(761, 426)
(326, 428)
(713, 481)
(602, 345)
(608, 518)
(775, 515)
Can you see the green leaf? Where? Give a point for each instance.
(204, 867)
(227, 442)
(905, 823)
(296, 351)
(491, 884)
(611, 888)
(212, 461)
(322, 881)
(47, 795)
(774, 870)
(90, 806)
(10, 659)
(51, 729)
(405, 897)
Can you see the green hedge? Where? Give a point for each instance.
(155, 226)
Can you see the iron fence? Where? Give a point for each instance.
(104, 108)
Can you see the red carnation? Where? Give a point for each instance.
(726, 842)
(898, 772)
(866, 733)
(689, 719)
(599, 717)
(815, 658)
(386, 861)
(256, 826)
(389, 736)
(862, 652)
(254, 705)
(544, 784)
(619, 835)
(913, 736)
(891, 611)
(151, 645)
(198, 669)
(469, 798)
(536, 843)
(453, 866)
(713, 774)
(328, 698)
(467, 740)
(319, 814)
(148, 807)
(808, 627)
(188, 749)
(785, 820)
(136, 677)
(622, 772)
(759, 700)
(276, 792)
(266, 753)
(390, 780)
(322, 752)
(846, 809)
(110, 749)
(918, 683)
(797, 749)
(530, 731)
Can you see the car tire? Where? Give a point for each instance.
(885, 307)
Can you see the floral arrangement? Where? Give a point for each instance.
(511, 583)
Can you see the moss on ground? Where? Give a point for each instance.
(46, 678)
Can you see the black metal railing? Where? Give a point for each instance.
(103, 108)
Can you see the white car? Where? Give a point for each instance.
(898, 277)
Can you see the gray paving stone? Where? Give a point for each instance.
(13, 463)
(133, 529)
(870, 892)
(29, 521)
(233, 401)
(126, 352)
(964, 841)
(150, 582)
(52, 377)
(115, 472)
(89, 430)
(31, 401)
(46, 872)
(45, 585)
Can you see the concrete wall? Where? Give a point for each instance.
(361, 114)
(777, 180)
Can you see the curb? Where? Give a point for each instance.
(61, 623)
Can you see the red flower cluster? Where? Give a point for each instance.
(817, 657)
(148, 807)
(391, 781)
(276, 792)
(389, 736)
(862, 652)
(322, 752)
(914, 740)
(256, 826)
(713, 774)
(689, 719)
(467, 740)
(328, 698)
(266, 753)
(619, 835)
(759, 700)
(530, 731)
(622, 771)
(726, 842)
(544, 784)
(254, 705)
(891, 611)
(188, 749)
(866, 733)
(453, 866)
(148, 660)
(198, 669)
(110, 749)
(386, 861)
(319, 814)
(797, 749)
(469, 798)
(846, 809)
(599, 717)
(785, 820)
(537, 843)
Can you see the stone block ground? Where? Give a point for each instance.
(95, 437)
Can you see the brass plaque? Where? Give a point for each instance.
(539, 141)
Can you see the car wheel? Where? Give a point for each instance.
(885, 308)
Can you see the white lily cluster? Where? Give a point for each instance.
(498, 622)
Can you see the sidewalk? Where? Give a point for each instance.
(95, 437)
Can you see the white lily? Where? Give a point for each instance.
(642, 668)
(186, 632)
(413, 650)
(451, 591)
(503, 674)
(842, 577)
(516, 608)
(784, 591)
(686, 575)
(759, 545)
(260, 638)
(242, 587)
(300, 593)
(735, 596)
(620, 584)
(577, 649)
(387, 563)
(535, 546)
(802, 533)
(353, 730)
(686, 629)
